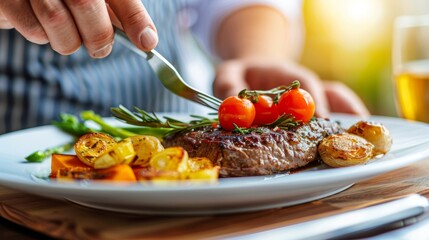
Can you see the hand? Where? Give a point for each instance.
(235, 75)
(66, 24)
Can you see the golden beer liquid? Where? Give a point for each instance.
(412, 88)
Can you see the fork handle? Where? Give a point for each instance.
(123, 38)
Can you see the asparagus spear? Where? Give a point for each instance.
(39, 156)
(106, 128)
(123, 132)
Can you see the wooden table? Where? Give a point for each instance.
(63, 220)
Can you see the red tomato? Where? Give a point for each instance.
(236, 110)
(297, 102)
(266, 110)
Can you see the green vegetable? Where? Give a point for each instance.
(152, 123)
(39, 156)
(156, 132)
(276, 92)
(148, 125)
(106, 128)
(71, 125)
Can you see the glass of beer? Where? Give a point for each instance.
(411, 66)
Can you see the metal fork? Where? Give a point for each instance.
(169, 76)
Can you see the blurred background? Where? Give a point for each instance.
(351, 41)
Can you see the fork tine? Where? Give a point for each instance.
(206, 103)
(206, 98)
(212, 99)
(214, 102)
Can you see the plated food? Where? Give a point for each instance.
(100, 157)
(263, 151)
(256, 133)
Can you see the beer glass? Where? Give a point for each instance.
(411, 66)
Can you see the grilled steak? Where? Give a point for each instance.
(261, 152)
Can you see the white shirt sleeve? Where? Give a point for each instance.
(210, 14)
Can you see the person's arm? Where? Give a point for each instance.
(254, 43)
(68, 24)
(257, 39)
(253, 31)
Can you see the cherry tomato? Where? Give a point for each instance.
(266, 110)
(236, 110)
(297, 102)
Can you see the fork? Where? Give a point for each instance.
(168, 75)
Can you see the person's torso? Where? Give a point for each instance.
(37, 84)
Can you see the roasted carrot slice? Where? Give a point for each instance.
(120, 172)
(77, 173)
(59, 161)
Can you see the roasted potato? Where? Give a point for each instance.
(209, 174)
(342, 150)
(145, 147)
(101, 151)
(102, 158)
(201, 168)
(374, 133)
(199, 163)
(91, 146)
(171, 159)
(121, 153)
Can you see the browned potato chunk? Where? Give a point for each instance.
(374, 133)
(91, 146)
(122, 153)
(202, 168)
(199, 163)
(171, 159)
(342, 150)
(145, 147)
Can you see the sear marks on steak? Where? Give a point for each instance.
(262, 152)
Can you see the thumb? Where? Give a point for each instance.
(230, 79)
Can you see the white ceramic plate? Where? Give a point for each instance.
(411, 143)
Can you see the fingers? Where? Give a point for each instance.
(136, 22)
(310, 82)
(20, 15)
(114, 18)
(267, 75)
(94, 25)
(58, 24)
(236, 75)
(66, 24)
(4, 23)
(343, 100)
(230, 79)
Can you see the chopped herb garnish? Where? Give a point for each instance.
(252, 95)
(284, 122)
